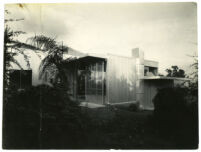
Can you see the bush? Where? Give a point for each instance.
(175, 117)
(170, 100)
(45, 115)
(169, 108)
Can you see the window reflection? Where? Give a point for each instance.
(95, 79)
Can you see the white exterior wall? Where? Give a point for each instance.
(138, 55)
(120, 79)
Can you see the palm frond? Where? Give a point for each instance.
(53, 62)
(10, 34)
(13, 20)
(42, 42)
(16, 63)
(26, 57)
(45, 65)
(46, 44)
(16, 44)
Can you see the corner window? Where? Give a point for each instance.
(150, 71)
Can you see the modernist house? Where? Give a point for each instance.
(112, 79)
(108, 79)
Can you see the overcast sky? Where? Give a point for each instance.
(166, 32)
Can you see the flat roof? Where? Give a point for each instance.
(94, 56)
(151, 63)
(164, 78)
(86, 58)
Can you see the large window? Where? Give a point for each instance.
(96, 79)
(150, 71)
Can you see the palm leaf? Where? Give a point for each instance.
(42, 42)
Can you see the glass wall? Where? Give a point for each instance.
(150, 71)
(95, 84)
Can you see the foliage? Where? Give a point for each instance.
(175, 117)
(194, 76)
(48, 112)
(175, 72)
(67, 126)
(195, 67)
(53, 63)
(170, 100)
(13, 48)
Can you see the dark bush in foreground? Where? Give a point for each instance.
(176, 117)
(42, 117)
(170, 104)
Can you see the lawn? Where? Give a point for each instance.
(115, 128)
(102, 128)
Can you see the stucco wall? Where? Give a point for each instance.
(150, 90)
(120, 79)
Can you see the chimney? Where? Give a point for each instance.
(135, 52)
(138, 54)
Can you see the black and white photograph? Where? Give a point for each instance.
(100, 76)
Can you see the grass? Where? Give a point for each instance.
(43, 117)
(121, 129)
(104, 128)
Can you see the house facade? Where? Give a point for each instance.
(111, 79)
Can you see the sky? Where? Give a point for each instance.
(166, 32)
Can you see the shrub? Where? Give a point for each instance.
(175, 117)
(170, 99)
(170, 106)
(45, 115)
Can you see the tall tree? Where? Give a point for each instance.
(194, 76)
(13, 48)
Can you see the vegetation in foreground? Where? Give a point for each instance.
(44, 117)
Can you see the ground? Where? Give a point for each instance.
(105, 128)
(123, 129)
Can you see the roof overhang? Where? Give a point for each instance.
(87, 59)
(151, 63)
(93, 56)
(164, 78)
